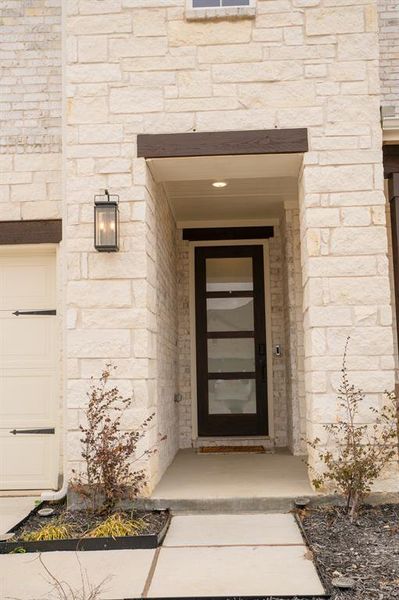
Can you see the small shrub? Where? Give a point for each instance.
(55, 530)
(117, 526)
(62, 590)
(359, 451)
(107, 451)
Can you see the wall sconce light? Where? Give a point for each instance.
(106, 222)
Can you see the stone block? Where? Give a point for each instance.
(348, 70)
(113, 165)
(357, 109)
(257, 71)
(129, 265)
(359, 240)
(114, 318)
(339, 19)
(338, 178)
(99, 294)
(341, 266)
(194, 84)
(367, 341)
(184, 33)
(356, 46)
(41, 209)
(94, 24)
(359, 290)
(280, 19)
(27, 192)
(356, 216)
(365, 198)
(326, 316)
(92, 48)
(322, 217)
(132, 46)
(135, 100)
(101, 134)
(149, 22)
(93, 343)
(292, 94)
(229, 53)
(94, 72)
(88, 109)
(94, 7)
(37, 162)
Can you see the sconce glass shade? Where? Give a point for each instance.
(106, 225)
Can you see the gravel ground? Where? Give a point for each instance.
(366, 550)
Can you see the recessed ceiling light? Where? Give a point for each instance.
(219, 184)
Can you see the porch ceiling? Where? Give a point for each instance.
(257, 186)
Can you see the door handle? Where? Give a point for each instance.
(34, 312)
(43, 430)
(262, 360)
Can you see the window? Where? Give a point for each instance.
(203, 9)
(219, 3)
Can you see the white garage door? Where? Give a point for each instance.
(29, 357)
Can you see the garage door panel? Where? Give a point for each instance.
(27, 341)
(29, 370)
(38, 277)
(28, 397)
(27, 461)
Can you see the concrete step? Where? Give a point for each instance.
(217, 505)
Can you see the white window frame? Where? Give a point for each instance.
(219, 12)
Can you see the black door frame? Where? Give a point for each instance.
(239, 424)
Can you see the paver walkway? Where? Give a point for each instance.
(202, 555)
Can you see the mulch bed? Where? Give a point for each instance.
(82, 521)
(366, 550)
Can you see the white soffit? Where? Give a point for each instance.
(225, 167)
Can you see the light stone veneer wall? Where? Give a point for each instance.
(136, 66)
(388, 11)
(30, 109)
(293, 319)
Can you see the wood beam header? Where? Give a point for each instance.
(227, 233)
(222, 143)
(45, 231)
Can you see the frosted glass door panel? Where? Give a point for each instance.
(232, 396)
(230, 314)
(228, 274)
(231, 355)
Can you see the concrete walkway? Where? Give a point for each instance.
(202, 555)
(14, 509)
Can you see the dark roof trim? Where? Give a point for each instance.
(44, 231)
(222, 143)
(227, 233)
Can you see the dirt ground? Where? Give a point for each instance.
(366, 550)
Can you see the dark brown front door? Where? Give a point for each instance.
(231, 341)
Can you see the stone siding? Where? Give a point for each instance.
(134, 68)
(389, 53)
(139, 66)
(30, 115)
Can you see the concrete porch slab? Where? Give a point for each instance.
(14, 509)
(228, 530)
(234, 571)
(124, 573)
(232, 482)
